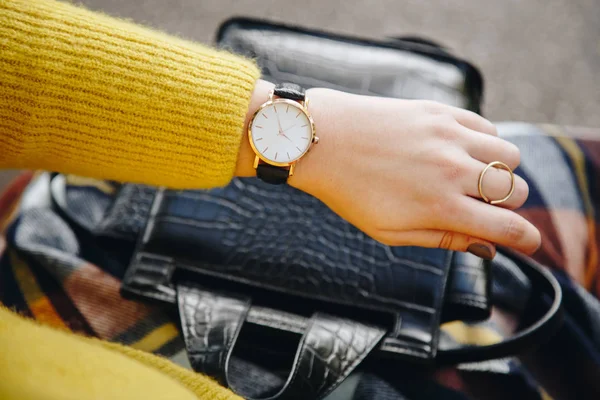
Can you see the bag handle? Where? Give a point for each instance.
(544, 287)
(329, 350)
(332, 347)
(210, 324)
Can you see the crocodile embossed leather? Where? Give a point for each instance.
(210, 325)
(319, 256)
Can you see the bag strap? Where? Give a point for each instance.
(210, 324)
(329, 350)
(545, 289)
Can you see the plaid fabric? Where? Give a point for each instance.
(52, 269)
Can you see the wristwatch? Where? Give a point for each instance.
(281, 132)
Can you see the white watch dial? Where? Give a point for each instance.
(281, 132)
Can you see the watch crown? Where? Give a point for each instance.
(315, 140)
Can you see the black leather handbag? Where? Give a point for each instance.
(320, 289)
(317, 299)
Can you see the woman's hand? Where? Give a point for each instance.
(406, 173)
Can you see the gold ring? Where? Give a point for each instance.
(499, 165)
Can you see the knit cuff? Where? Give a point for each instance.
(84, 93)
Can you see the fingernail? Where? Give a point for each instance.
(480, 250)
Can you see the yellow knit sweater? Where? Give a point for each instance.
(83, 93)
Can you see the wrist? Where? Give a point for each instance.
(315, 170)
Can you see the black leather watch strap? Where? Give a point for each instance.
(272, 174)
(289, 91)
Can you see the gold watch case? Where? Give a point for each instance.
(303, 107)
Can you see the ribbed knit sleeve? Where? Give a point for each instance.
(84, 93)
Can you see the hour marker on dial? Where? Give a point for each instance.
(299, 112)
(299, 149)
(258, 126)
(259, 139)
(287, 108)
(263, 114)
(288, 154)
(276, 156)
(265, 150)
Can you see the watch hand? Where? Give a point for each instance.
(278, 122)
(286, 129)
(282, 134)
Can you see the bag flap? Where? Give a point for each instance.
(290, 252)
